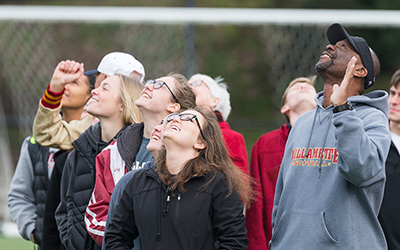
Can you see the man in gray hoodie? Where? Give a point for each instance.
(332, 177)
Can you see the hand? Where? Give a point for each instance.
(340, 93)
(65, 72)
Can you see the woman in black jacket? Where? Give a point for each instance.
(113, 104)
(190, 198)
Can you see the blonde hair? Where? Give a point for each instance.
(310, 80)
(130, 89)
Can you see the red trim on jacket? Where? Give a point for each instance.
(235, 146)
(266, 158)
(97, 210)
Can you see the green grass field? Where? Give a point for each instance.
(15, 243)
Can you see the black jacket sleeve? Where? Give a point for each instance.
(228, 218)
(122, 227)
(51, 238)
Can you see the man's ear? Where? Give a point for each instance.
(285, 109)
(174, 107)
(199, 145)
(215, 102)
(360, 71)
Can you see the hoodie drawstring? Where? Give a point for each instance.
(323, 145)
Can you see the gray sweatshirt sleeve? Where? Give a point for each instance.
(363, 143)
(21, 198)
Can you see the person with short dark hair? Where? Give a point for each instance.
(331, 181)
(389, 215)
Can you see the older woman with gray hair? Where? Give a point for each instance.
(212, 93)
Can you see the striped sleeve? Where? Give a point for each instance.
(51, 99)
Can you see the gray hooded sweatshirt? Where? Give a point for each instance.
(330, 197)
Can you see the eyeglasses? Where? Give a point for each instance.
(158, 85)
(185, 117)
(195, 83)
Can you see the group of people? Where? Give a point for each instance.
(116, 162)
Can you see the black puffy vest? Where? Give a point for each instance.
(39, 155)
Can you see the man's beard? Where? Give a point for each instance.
(321, 67)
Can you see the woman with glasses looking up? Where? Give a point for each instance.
(159, 98)
(190, 198)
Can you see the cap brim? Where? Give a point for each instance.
(336, 33)
(91, 72)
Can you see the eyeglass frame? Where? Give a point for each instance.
(162, 83)
(168, 119)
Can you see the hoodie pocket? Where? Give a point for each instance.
(303, 230)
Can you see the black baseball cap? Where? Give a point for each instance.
(336, 33)
(91, 72)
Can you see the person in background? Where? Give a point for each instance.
(48, 127)
(192, 193)
(30, 187)
(114, 107)
(266, 158)
(159, 98)
(213, 94)
(389, 216)
(332, 177)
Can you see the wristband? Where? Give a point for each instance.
(343, 107)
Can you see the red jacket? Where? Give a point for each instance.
(235, 146)
(266, 158)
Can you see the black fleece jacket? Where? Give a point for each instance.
(196, 219)
(389, 215)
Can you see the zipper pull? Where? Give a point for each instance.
(166, 210)
(179, 197)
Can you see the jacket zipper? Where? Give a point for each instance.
(167, 201)
(177, 208)
(166, 210)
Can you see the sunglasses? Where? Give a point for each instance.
(185, 117)
(158, 85)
